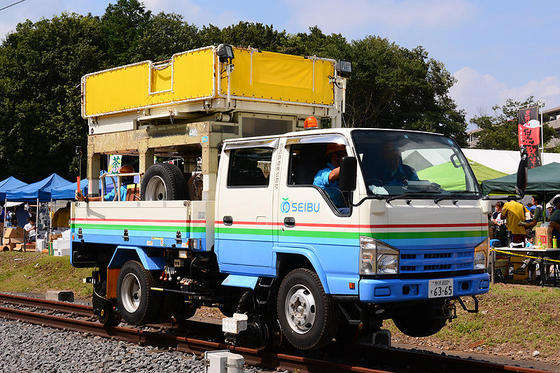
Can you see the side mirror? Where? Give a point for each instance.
(347, 177)
(522, 175)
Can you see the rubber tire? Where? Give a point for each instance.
(420, 321)
(175, 183)
(149, 300)
(325, 326)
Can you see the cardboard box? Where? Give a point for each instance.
(27, 247)
(54, 236)
(11, 232)
(40, 245)
(10, 246)
(542, 237)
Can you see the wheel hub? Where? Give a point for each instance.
(300, 309)
(156, 189)
(131, 292)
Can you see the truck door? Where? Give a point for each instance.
(244, 228)
(314, 222)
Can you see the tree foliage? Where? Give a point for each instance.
(41, 65)
(499, 131)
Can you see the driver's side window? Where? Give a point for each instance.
(309, 166)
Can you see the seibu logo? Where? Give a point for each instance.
(287, 206)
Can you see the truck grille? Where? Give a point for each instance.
(435, 260)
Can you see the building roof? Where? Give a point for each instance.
(551, 110)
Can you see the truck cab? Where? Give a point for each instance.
(409, 238)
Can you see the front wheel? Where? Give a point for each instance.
(305, 312)
(136, 301)
(421, 320)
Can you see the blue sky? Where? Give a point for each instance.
(496, 49)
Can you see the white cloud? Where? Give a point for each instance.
(477, 93)
(193, 13)
(352, 16)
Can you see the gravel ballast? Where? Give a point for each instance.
(32, 348)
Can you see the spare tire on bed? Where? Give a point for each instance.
(163, 181)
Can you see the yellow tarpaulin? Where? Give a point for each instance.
(191, 76)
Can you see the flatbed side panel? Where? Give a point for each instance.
(142, 223)
(187, 76)
(280, 77)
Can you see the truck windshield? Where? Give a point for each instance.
(397, 162)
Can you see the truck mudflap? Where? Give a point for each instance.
(404, 290)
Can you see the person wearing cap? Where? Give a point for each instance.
(125, 180)
(327, 178)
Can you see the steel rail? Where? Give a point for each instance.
(252, 356)
(75, 308)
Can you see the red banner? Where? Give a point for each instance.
(529, 133)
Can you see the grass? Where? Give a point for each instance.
(37, 272)
(511, 318)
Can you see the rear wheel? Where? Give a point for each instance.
(162, 182)
(305, 312)
(137, 303)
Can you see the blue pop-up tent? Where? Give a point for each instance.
(8, 184)
(69, 191)
(38, 191)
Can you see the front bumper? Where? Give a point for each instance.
(404, 290)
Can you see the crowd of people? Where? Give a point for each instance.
(513, 225)
(12, 216)
(513, 222)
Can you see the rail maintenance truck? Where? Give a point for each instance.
(228, 215)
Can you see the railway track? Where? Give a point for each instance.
(368, 359)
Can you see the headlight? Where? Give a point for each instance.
(377, 258)
(481, 255)
(367, 255)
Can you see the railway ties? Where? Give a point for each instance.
(335, 358)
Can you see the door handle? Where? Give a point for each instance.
(228, 220)
(289, 222)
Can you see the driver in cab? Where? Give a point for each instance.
(391, 170)
(327, 177)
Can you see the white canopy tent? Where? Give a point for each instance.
(505, 161)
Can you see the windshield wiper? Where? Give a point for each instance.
(452, 196)
(441, 198)
(399, 196)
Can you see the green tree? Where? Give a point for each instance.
(122, 26)
(165, 35)
(395, 87)
(41, 65)
(245, 34)
(499, 131)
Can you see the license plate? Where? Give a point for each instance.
(440, 288)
